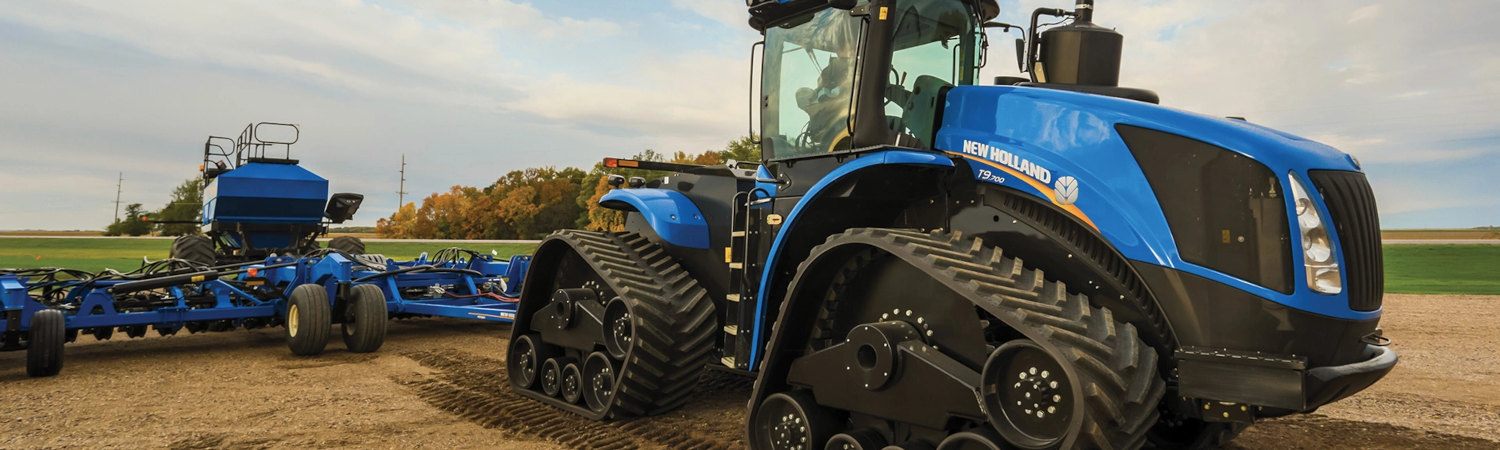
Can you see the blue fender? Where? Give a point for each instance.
(902, 157)
(672, 215)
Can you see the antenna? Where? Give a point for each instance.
(118, 183)
(401, 191)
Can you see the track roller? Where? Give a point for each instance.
(551, 377)
(44, 352)
(865, 439)
(930, 340)
(620, 324)
(572, 383)
(790, 420)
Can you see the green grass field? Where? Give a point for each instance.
(1409, 269)
(125, 253)
(1442, 269)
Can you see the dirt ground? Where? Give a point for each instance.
(440, 383)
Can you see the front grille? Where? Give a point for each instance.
(1352, 205)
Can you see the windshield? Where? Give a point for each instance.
(935, 46)
(808, 83)
(809, 77)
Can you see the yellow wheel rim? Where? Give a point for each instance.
(291, 320)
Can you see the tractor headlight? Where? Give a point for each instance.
(1319, 256)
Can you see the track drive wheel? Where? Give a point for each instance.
(194, 248)
(364, 319)
(308, 320)
(44, 353)
(636, 327)
(893, 332)
(348, 244)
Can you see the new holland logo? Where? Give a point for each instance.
(1067, 190)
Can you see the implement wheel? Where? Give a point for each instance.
(44, 354)
(308, 320)
(364, 319)
(876, 318)
(195, 249)
(351, 245)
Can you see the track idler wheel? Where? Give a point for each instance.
(619, 330)
(1027, 395)
(526, 359)
(790, 420)
(598, 381)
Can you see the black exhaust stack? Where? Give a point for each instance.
(1079, 56)
(1080, 52)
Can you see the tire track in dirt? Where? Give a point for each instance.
(478, 389)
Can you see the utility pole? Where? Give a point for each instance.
(118, 183)
(400, 192)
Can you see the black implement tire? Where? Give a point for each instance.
(307, 320)
(347, 244)
(44, 353)
(197, 249)
(364, 319)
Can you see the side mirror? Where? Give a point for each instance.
(1021, 54)
(342, 206)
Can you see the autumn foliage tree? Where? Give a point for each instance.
(528, 204)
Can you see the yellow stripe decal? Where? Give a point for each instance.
(1043, 188)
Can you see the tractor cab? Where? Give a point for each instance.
(842, 76)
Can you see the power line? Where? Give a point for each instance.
(118, 183)
(401, 191)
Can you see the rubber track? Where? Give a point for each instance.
(675, 320)
(469, 386)
(1119, 379)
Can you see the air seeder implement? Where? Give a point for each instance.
(919, 261)
(258, 264)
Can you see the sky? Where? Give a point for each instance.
(468, 90)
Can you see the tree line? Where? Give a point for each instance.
(185, 206)
(522, 204)
(530, 203)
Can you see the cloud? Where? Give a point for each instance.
(730, 13)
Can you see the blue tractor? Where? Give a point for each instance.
(257, 201)
(919, 261)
